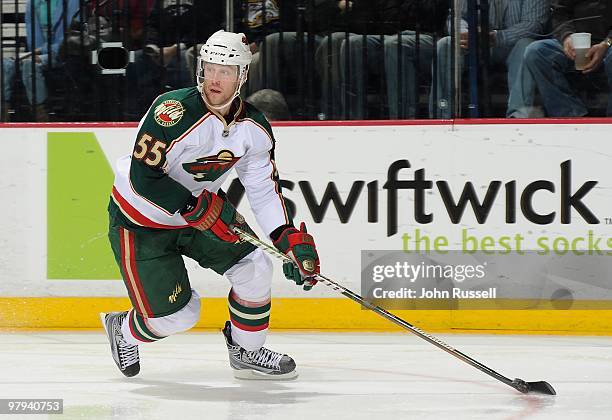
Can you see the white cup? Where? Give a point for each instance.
(581, 41)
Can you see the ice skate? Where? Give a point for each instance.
(125, 355)
(263, 364)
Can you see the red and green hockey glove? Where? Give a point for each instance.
(211, 212)
(300, 247)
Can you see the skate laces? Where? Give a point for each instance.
(128, 353)
(266, 357)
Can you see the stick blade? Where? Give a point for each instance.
(541, 387)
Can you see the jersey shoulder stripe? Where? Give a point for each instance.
(189, 130)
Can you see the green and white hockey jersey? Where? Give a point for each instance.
(182, 148)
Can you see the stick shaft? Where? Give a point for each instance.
(380, 311)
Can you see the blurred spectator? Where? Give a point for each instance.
(514, 25)
(385, 24)
(106, 21)
(258, 20)
(43, 18)
(341, 21)
(271, 103)
(8, 75)
(427, 17)
(389, 23)
(334, 18)
(283, 49)
(105, 96)
(276, 46)
(126, 17)
(547, 63)
(273, 40)
(260, 17)
(174, 26)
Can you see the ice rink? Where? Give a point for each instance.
(374, 376)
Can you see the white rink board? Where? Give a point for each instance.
(342, 155)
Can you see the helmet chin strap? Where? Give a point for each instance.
(217, 107)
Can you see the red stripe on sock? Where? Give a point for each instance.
(248, 327)
(247, 303)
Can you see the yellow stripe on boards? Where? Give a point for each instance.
(315, 314)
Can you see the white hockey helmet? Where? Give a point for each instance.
(227, 48)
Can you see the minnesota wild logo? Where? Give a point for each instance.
(168, 113)
(210, 168)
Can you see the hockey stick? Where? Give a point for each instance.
(541, 387)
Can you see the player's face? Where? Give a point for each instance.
(220, 82)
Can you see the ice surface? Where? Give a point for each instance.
(374, 376)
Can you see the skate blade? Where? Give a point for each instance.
(103, 319)
(253, 375)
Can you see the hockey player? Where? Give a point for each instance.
(166, 203)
